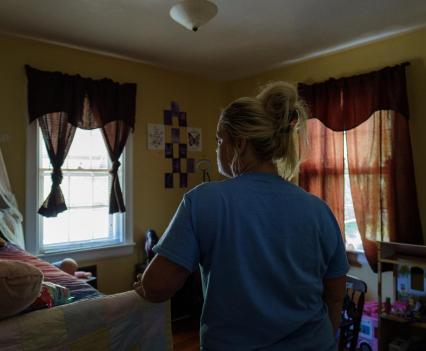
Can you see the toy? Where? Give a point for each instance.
(367, 338)
(68, 265)
(411, 282)
(411, 293)
(151, 239)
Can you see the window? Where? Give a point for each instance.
(325, 163)
(86, 224)
(377, 144)
(353, 240)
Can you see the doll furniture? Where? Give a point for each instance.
(406, 322)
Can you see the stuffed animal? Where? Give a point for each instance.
(70, 266)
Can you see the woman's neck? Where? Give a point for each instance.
(259, 167)
(250, 163)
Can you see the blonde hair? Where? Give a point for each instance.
(270, 122)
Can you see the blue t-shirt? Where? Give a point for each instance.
(264, 247)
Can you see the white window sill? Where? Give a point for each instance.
(90, 254)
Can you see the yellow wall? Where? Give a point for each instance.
(408, 47)
(202, 99)
(153, 205)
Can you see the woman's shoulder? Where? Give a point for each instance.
(209, 188)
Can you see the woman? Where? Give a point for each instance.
(272, 259)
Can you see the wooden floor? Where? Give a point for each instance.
(186, 335)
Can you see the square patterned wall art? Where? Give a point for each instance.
(176, 139)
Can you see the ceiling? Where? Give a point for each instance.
(246, 37)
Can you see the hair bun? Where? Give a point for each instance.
(278, 100)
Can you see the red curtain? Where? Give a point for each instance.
(321, 172)
(373, 110)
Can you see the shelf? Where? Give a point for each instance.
(418, 262)
(392, 325)
(399, 253)
(390, 249)
(398, 319)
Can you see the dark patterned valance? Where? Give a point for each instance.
(88, 103)
(344, 103)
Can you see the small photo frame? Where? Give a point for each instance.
(182, 150)
(176, 165)
(156, 136)
(168, 117)
(168, 180)
(168, 150)
(182, 119)
(194, 139)
(175, 135)
(183, 180)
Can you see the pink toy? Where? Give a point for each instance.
(367, 339)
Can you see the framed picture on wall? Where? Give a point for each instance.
(194, 139)
(155, 136)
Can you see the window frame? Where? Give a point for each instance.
(32, 223)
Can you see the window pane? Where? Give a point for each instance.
(352, 235)
(45, 161)
(100, 156)
(80, 190)
(55, 229)
(101, 225)
(79, 153)
(47, 184)
(87, 151)
(81, 224)
(101, 190)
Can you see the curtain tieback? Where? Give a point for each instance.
(57, 176)
(115, 166)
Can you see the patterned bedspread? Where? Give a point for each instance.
(79, 289)
(117, 322)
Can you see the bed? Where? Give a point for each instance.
(92, 322)
(78, 288)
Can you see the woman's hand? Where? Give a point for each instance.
(137, 285)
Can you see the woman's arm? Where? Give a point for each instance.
(334, 293)
(161, 280)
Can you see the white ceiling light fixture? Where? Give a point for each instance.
(193, 13)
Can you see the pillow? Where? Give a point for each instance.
(20, 285)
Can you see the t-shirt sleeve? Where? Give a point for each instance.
(179, 243)
(338, 264)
